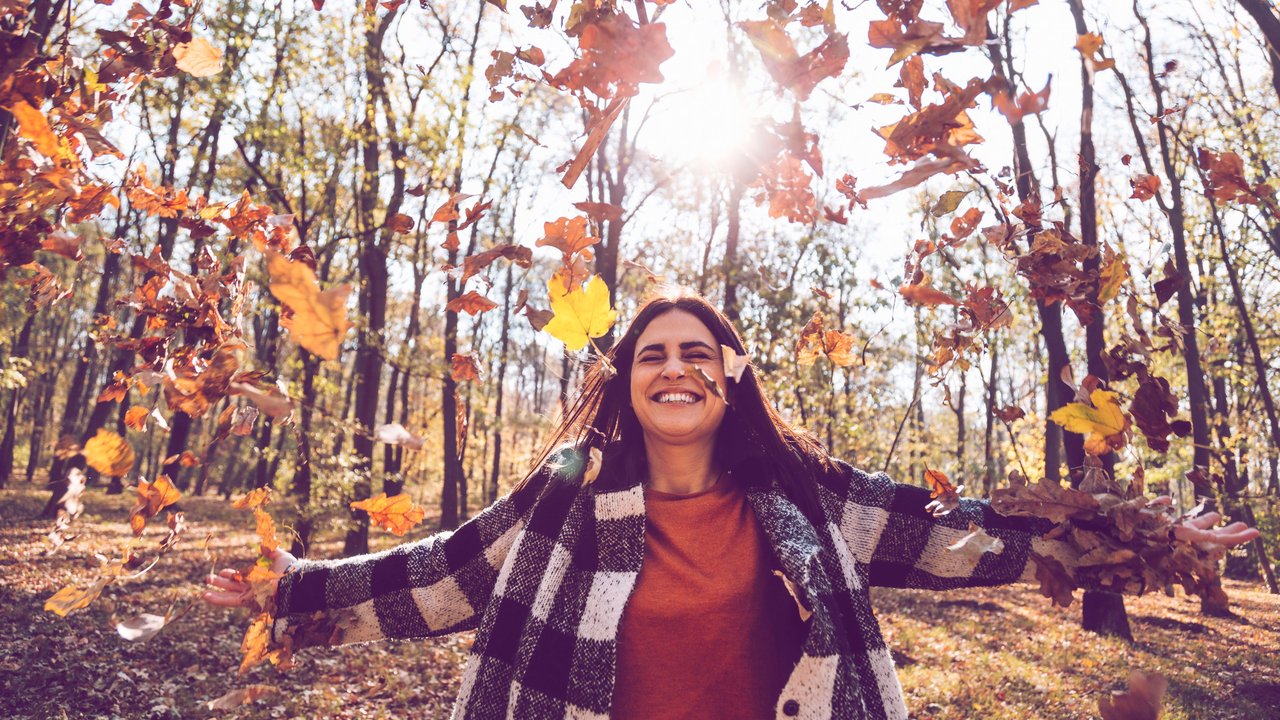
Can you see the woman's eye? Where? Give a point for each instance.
(698, 356)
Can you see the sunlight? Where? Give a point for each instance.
(705, 126)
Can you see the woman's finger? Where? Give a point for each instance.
(1162, 500)
(1206, 521)
(228, 584)
(1239, 537)
(224, 598)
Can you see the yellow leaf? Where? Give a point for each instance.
(33, 126)
(1113, 275)
(579, 314)
(319, 318)
(152, 498)
(109, 454)
(396, 514)
(1104, 424)
(198, 57)
(72, 598)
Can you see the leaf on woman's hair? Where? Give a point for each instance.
(595, 459)
(241, 696)
(319, 319)
(734, 364)
(72, 598)
(395, 514)
(109, 454)
(1141, 702)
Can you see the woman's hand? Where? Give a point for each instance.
(1200, 530)
(234, 592)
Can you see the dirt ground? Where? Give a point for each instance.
(993, 653)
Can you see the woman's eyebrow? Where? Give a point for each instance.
(659, 347)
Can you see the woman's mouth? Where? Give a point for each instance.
(676, 398)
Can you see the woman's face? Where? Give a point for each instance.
(672, 404)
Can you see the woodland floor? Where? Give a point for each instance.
(1001, 653)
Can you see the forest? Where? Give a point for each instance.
(323, 276)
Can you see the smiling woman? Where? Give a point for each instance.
(716, 563)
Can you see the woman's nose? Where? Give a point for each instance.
(673, 370)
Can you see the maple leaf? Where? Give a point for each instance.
(198, 58)
(471, 302)
(464, 368)
(1105, 424)
(1144, 186)
(109, 454)
(569, 236)
(135, 418)
(1142, 701)
(396, 514)
(319, 319)
(152, 498)
(579, 313)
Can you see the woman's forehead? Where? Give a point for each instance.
(674, 327)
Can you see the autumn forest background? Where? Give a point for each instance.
(314, 247)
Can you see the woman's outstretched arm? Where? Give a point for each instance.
(435, 586)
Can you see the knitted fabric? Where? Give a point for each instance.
(544, 576)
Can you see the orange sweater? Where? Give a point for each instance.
(709, 631)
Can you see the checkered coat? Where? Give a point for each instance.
(544, 575)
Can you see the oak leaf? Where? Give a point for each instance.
(1046, 499)
(396, 514)
(319, 320)
(579, 313)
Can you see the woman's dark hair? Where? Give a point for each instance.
(752, 437)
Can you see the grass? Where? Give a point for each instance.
(993, 653)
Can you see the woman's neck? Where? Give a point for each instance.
(681, 469)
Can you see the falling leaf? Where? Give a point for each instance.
(255, 648)
(245, 695)
(464, 368)
(33, 126)
(265, 528)
(976, 544)
(135, 418)
(152, 498)
(924, 294)
(471, 302)
(474, 264)
(397, 434)
(579, 314)
(109, 454)
(319, 319)
(1105, 424)
(1141, 702)
(600, 212)
(946, 495)
(255, 498)
(707, 381)
(1089, 44)
(569, 236)
(400, 223)
(816, 340)
(198, 57)
(396, 514)
(1144, 186)
(449, 210)
(948, 202)
(71, 598)
(1055, 581)
(142, 627)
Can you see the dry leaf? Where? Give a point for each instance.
(109, 454)
(198, 57)
(396, 514)
(319, 319)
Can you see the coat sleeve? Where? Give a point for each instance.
(435, 586)
(896, 542)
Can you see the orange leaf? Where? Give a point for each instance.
(71, 598)
(399, 223)
(109, 454)
(255, 499)
(924, 294)
(319, 320)
(136, 418)
(464, 368)
(33, 126)
(1144, 186)
(569, 236)
(397, 514)
(152, 498)
(472, 303)
(266, 529)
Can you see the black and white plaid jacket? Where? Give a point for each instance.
(544, 574)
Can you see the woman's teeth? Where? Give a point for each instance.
(680, 398)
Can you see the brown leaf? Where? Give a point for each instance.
(241, 696)
(464, 368)
(1055, 581)
(152, 498)
(600, 212)
(1144, 187)
(472, 303)
(474, 264)
(1045, 499)
(399, 223)
(1141, 702)
(924, 294)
